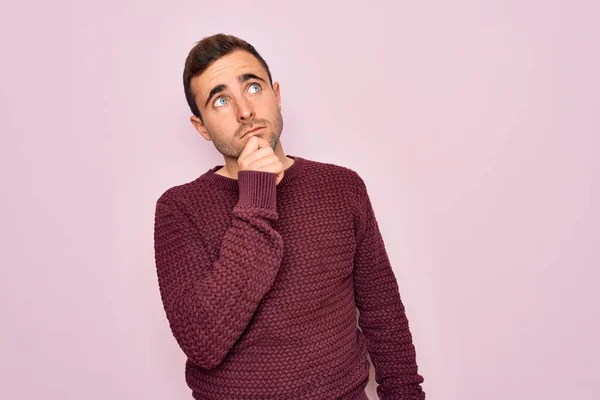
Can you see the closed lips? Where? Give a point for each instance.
(253, 130)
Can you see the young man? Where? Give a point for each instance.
(263, 261)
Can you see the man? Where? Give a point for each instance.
(263, 261)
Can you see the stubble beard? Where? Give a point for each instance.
(233, 148)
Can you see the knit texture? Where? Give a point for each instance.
(261, 284)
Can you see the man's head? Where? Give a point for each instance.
(229, 89)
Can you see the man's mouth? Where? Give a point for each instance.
(253, 130)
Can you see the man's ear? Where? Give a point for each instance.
(276, 89)
(200, 127)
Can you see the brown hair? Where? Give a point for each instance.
(206, 52)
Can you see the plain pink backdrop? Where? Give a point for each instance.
(475, 125)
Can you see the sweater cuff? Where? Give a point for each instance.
(257, 188)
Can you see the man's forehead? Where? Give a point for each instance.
(227, 69)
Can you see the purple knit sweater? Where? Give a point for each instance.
(261, 284)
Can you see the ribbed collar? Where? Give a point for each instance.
(291, 172)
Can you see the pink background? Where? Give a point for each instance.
(475, 125)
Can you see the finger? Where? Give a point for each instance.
(263, 162)
(249, 148)
(274, 167)
(251, 159)
(262, 142)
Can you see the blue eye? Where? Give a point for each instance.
(217, 102)
(255, 84)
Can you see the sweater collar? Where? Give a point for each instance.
(291, 172)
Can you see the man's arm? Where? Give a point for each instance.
(382, 316)
(209, 304)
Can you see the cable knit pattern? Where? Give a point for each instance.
(261, 283)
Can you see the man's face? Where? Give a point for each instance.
(234, 96)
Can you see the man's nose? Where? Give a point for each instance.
(245, 110)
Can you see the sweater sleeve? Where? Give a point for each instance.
(382, 315)
(209, 304)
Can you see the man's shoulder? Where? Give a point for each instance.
(181, 193)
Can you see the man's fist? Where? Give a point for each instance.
(258, 155)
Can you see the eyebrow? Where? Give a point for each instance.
(219, 88)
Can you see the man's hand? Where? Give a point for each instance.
(258, 155)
